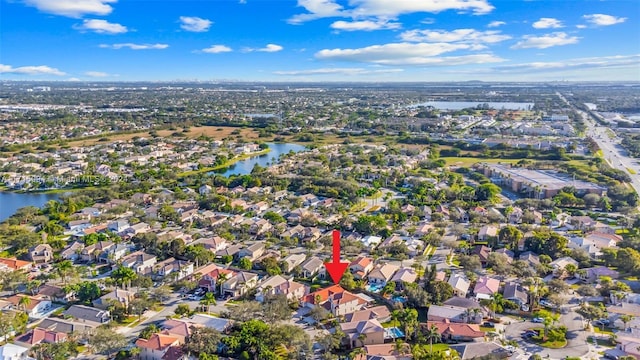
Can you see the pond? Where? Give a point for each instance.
(244, 167)
(10, 201)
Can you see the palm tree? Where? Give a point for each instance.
(222, 277)
(208, 300)
(626, 319)
(64, 269)
(24, 302)
(433, 335)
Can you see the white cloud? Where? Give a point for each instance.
(337, 71)
(581, 26)
(496, 23)
(545, 41)
(30, 70)
(133, 46)
(216, 49)
(73, 79)
(547, 23)
(96, 74)
(365, 25)
(73, 8)
(604, 20)
(101, 27)
(267, 48)
(458, 35)
(271, 48)
(408, 54)
(317, 9)
(195, 24)
(571, 64)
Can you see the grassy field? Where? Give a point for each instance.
(215, 132)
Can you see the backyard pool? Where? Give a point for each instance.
(375, 288)
(393, 333)
(399, 299)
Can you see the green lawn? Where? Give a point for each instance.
(554, 344)
(440, 347)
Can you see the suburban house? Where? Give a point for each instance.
(454, 314)
(404, 275)
(487, 233)
(486, 287)
(385, 352)
(277, 285)
(456, 331)
(252, 252)
(516, 293)
(39, 335)
(361, 333)
(72, 251)
(482, 252)
(8, 264)
(380, 313)
(141, 262)
(460, 284)
(294, 260)
(41, 253)
(212, 277)
(381, 274)
(360, 267)
(591, 275)
(88, 315)
(157, 346)
(343, 303)
(118, 296)
(239, 284)
(36, 308)
(311, 267)
(54, 294)
(171, 267)
(11, 351)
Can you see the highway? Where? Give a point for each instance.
(613, 153)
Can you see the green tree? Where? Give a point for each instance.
(123, 276)
(64, 269)
(148, 331)
(106, 341)
(245, 264)
(88, 291)
(207, 300)
(182, 310)
(510, 236)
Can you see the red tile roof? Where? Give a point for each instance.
(157, 342)
(324, 294)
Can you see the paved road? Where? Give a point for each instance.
(152, 317)
(614, 154)
(577, 345)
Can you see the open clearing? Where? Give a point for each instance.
(215, 132)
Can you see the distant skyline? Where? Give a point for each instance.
(320, 40)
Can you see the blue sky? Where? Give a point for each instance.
(320, 40)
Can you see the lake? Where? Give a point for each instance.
(10, 202)
(459, 105)
(244, 167)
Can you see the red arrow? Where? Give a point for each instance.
(336, 268)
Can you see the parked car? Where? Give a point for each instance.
(537, 320)
(488, 324)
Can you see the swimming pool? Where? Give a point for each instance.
(400, 299)
(375, 288)
(393, 333)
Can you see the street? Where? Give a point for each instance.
(612, 152)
